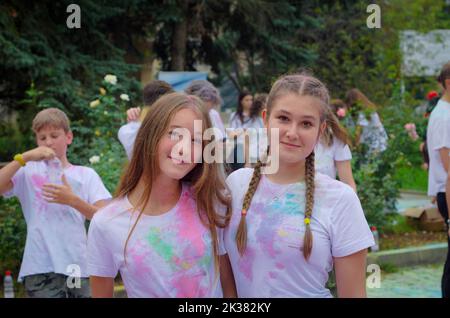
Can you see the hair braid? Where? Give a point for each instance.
(241, 235)
(309, 177)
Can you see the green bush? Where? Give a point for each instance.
(12, 235)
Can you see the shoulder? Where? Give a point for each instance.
(333, 190)
(239, 178)
(115, 208)
(338, 144)
(130, 127)
(83, 171)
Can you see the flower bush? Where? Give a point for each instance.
(105, 114)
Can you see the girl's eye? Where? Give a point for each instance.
(307, 124)
(283, 118)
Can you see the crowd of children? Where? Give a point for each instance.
(180, 226)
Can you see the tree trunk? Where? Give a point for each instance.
(179, 41)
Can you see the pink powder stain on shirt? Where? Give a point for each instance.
(190, 229)
(280, 266)
(139, 253)
(189, 285)
(265, 234)
(245, 263)
(38, 181)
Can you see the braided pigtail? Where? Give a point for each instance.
(241, 235)
(309, 178)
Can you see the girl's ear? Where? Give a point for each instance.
(322, 128)
(264, 117)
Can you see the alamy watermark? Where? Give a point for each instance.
(188, 149)
(374, 19)
(74, 276)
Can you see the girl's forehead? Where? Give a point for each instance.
(185, 118)
(297, 105)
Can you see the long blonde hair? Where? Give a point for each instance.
(334, 130)
(301, 85)
(207, 182)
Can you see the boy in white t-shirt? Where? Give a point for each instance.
(56, 198)
(152, 92)
(438, 142)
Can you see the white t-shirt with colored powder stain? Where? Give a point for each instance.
(325, 156)
(273, 264)
(438, 137)
(56, 235)
(168, 255)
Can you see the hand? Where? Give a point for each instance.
(38, 154)
(55, 193)
(133, 114)
(433, 200)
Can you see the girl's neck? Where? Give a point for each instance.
(164, 195)
(288, 173)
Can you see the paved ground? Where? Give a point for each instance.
(413, 282)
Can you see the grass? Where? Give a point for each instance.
(412, 178)
(399, 233)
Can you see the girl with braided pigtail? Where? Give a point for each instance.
(290, 228)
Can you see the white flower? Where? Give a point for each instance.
(125, 97)
(94, 159)
(111, 79)
(94, 103)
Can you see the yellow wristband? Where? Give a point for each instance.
(19, 159)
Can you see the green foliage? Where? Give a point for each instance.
(107, 113)
(12, 235)
(54, 66)
(397, 224)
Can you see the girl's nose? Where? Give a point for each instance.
(291, 132)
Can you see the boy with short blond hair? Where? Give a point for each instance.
(55, 209)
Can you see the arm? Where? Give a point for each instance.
(447, 196)
(8, 172)
(102, 287)
(88, 210)
(227, 277)
(63, 194)
(344, 169)
(351, 275)
(444, 154)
